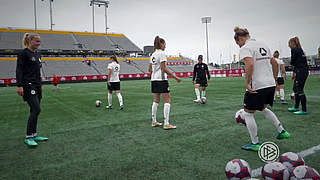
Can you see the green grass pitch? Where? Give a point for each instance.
(86, 142)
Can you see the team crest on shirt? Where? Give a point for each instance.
(202, 66)
(33, 92)
(33, 59)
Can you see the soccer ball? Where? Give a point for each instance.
(275, 170)
(304, 173)
(291, 160)
(239, 117)
(98, 103)
(237, 169)
(203, 100)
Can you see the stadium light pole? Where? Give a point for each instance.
(35, 14)
(100, 3)
(206, 20)
(51, 21)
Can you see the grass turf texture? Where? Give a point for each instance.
(86, 142)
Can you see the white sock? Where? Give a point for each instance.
(166, 112)
(154, 111)
(272, 117)
(197, 93)
(203, 94)
(277, 93)
(110, 99)
(120, 99)
(252, 127)
(282, 94)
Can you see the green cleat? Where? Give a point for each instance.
(300, 113)
(251, 147)
(30, 142)
(39, 139)
(284, 135)
(293, 109)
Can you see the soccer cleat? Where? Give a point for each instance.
(300, 113)
(251, 147)
(109, 107)
(284, 135)
(283, 102)
(156, 124)
(293, 109)
(169, 126)
(121, 107)
(39, 139)
(197, 101)
(30, 142)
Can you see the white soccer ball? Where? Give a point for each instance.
(203, 100)
(98, 103)
(239, 117)
(291, 160)
(304, 173)
(238, 169)
(275, 170)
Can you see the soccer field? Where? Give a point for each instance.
(86, 142)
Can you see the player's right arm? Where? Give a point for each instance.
(150, 68)
(249, 70)
(275, 68)
(283, 69)
(194, 74)
(19, 74)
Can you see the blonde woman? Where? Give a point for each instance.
(29, 84)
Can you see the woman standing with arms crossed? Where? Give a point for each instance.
(300, 75)
(159, 82)
(29, 84)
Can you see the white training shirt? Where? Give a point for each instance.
(115, 67)
(156, 58)
(262, 76)
(280, 62)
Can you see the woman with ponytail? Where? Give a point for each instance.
(114, 82)
(29, 84)
(300, 75)
(159, 82)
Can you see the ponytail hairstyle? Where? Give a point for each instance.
(276, 54)
(113, 57)
(296, 41)
(240, 32)
(27, 38)
(157, 42)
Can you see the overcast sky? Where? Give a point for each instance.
(179, 22)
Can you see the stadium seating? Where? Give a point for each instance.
(11, 40)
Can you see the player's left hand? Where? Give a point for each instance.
(250, 89)
(109, 83)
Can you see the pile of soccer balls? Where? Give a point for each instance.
(290, 166)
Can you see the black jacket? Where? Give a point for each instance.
(28, 68)
(201, 72)
(298, 59)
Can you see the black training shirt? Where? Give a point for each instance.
(200, 71)
(28, 68)
(298, 58)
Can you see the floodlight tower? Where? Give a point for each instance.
(99, 3)
(206, 20)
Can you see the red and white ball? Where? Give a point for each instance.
(239, 117)
(291, 160)
(237, 169)
(275, 171)
(304, 173)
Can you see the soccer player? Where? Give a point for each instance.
(300, 75)
(280, 79)
(55, 82)
(114, 82)
(200, 73)
(261, 73)
(159, 83)
(29, 84)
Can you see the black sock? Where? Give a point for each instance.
(297, 98)
(304, 103)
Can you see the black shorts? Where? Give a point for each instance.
(256, 101)
(280, 81)
(202, 82)
(160, 87)
(115, 86)
(31, 90)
